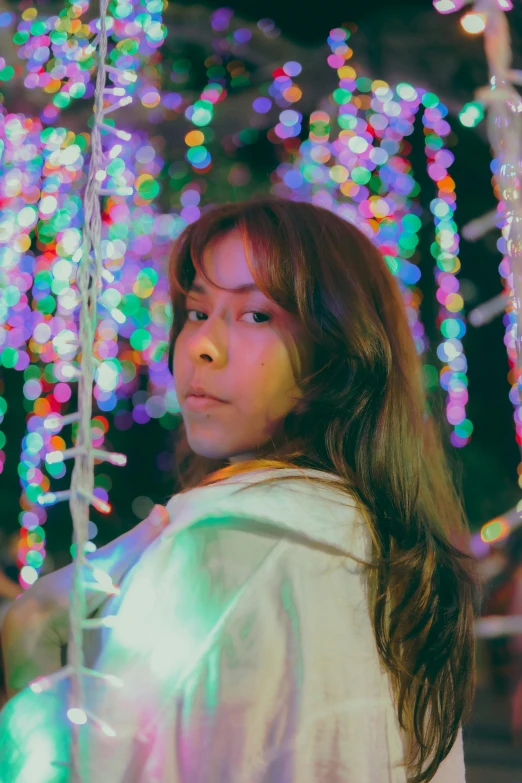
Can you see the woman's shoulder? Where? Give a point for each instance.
(300, 503)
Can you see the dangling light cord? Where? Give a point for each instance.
(89, 281)
(86, 577)
(504, 123)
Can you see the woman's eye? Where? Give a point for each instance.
(197, 312)
(264, 316)
(257, 315)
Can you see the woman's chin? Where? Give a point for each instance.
(218, 452)
(209, 450)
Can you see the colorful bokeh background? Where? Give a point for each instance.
(214, 104)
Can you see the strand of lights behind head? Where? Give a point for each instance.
(510, 324)
(450, 320)
(285, 93)
(200, 114)
(374, 121)
(387, 215)
(397, 208)
(394, 117)
(504, 106)
(335, 173)
(504, 131)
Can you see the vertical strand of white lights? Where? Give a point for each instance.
(81, 494)
(504, 125)
(89, 283)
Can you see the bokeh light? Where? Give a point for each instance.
(473, 23)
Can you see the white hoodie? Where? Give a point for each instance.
(245, 647)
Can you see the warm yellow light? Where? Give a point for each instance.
(194, 138)
(473, 23)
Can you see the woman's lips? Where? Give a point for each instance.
(196, 402)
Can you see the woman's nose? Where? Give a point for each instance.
(205, 347)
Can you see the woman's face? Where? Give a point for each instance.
(241, 347)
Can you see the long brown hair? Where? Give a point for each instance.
(363, 417)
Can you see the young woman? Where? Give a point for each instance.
(305, 614)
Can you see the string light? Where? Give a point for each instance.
(362, 176)
(448, 6)
(504, 106)
(473, 23)
(450, 320)
(471, 114)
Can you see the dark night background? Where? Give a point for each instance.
(399, 41)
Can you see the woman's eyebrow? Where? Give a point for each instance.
(246, 288)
